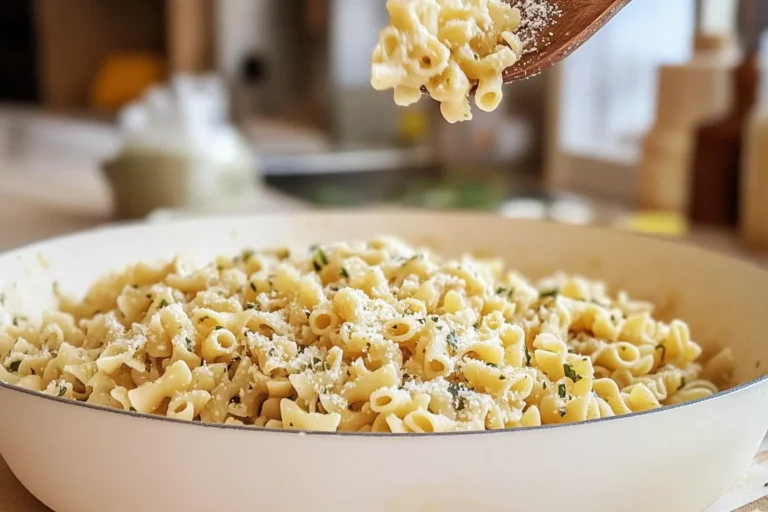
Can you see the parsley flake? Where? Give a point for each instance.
(190, 344)
(218, 328)
(14, 366)
(549, 294)
(562, 411)
(571, 373)
(527, 355)
(319, 260)
(452, 341)
(561, 390)
(459, 402)
(163, 304)
(62, 391)
(343, 273)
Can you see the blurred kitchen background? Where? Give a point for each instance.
(119, 109)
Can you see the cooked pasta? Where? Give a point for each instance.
(449, 47)
(361, 337)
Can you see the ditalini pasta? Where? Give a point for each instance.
(448, 47)
(360, 337)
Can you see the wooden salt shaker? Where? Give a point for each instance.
(688, 94)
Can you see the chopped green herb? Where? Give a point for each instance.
(316, 361)
(562, 411)
(251, 305)
(452, 341)
(543, 385)
(343, 272)
(492, 365)
(549, 294)
(527, 355)
(571, 373)
(271, 352)
(62, 391)
(319, 260)
(218, 327)
(422, 321)
(14, 366)
(476, 325)
(561, 390)
(682, 384)
(500, 290)
(326, 366)
(253, 286)
(190, 344)
(439, 327)
(163, 304)
(765, 484)
(459, 402)
(15, 322)
(435, 319)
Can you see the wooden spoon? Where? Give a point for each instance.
(575, 23)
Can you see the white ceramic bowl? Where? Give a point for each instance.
(75, 457)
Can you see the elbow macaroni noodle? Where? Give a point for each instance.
(448, 47)
(364, 337)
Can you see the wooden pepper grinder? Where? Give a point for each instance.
(716, 163)
(753, 222)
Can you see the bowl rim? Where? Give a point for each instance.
(124, 227)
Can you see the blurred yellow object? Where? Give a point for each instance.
(654, 223)
(412, 125)
(124, 77)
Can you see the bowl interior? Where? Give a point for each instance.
(721, 298)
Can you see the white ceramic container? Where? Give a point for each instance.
(78, 458)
